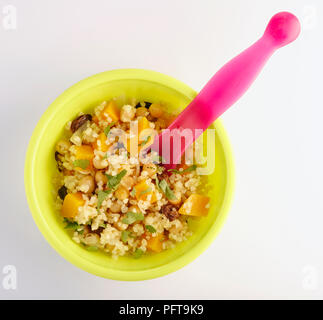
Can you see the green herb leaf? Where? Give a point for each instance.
(71, 225)
(145, 141)
(92, 248)
(108, 128)
(132, 235)
(162, 185)
(124, 236)
(138, 253)
(150, 228)
(113, 181)
(170, 194)
(81, 163)
(133, 192)
(103, 225)
(166, 190)
(146, 191)
(156, 158)
(189, 169)
(132, 217)
(157, 182)
(101, 196)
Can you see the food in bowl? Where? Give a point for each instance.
(113, 192)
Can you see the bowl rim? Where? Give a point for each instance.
(178, 263)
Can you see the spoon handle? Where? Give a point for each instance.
(232, 80)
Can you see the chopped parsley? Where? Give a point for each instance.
(189, 169)
(132, 217)
(71, 224)
(101, 197)
(145, 141)
(145, 191)
(138, 253)
(125, 236)
(163, 186)
(81, 163)
(113, 181)
(92, 248)
(108, 128)
(133, 192)
(150, 228)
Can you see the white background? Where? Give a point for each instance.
(271, 244)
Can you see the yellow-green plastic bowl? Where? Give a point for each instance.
(40, 167)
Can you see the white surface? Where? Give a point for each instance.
(271, 245)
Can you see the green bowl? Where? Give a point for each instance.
(40, 167)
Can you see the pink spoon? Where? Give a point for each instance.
(225, 88)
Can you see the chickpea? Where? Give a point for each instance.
(62, 146)
(128, 182)
(141, 112)
(100, 177)
(127, 113)
(121, 193)
(177, 200)
(86, 184)
(150, 168)
(115, 207)
(156, 110)
(100, 163)
(92, 239)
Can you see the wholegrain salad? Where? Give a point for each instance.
(114, 200)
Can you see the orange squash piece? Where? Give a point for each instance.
(142, 192)
(102, 146)
(84, 152)
(195, 205)
(154, 244)
(133, 144)
(71, 204)
(112, 110)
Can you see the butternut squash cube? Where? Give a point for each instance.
(71, 204)
(195, 205)
(112, 110)
(100, 143)
(144, 191)
(142, 139)
(84, 152)
(154, 244)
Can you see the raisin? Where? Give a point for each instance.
(59, 161)
(147, 105)
(62, 192)
(170, 212)
(79, 121)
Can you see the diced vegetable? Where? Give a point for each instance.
(143, 191)
(100, 143)
(143, 124)
(71, 204)
(112, 110)
(196, 205)
(84, 152)
(143, 140)
(154, 244)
